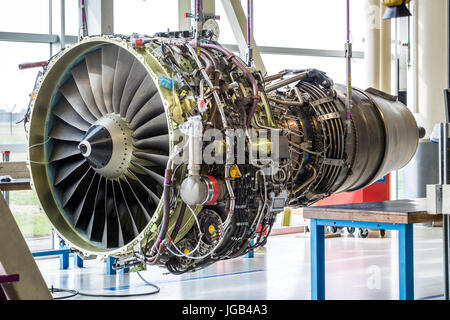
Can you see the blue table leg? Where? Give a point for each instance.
(250, 254)
(77, 261)
(109, 265)
(406, 262)
(64, 257)
(317, 261)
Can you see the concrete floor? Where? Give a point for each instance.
(355, 269)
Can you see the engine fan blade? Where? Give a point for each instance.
(66, 113)
(96, 224)
(135, 79)
(81, 184)
(152, 195)
(112, 234)
(63, 131)
(160, 143)
(154, 127)
(73, 96)
(109, 59)
(155, 176)
(160, 160)
(133, 207)
(145, 92)
(134, 191)
(81, 77)
(62, 150)
(94, 68)
(67, 169)
(126, 221)
(83, 213)
(151, 109)
(123, 67)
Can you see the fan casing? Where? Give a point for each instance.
(39, 128)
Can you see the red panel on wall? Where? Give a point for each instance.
(378, 191)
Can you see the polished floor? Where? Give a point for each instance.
(356, 268)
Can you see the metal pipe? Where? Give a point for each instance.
(62, 37)
(84, 30)
(29, 65)
(348, 56)
(446, 222)
(249, 32)
(285, 82)
(247, 73)
(50, 22)
(198, 25)
(274, 77)
(448, 46)
(443, 179)
(286, 102)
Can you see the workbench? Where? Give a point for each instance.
(398, 215)
(17, 184)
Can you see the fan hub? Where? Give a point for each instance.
(107, 146)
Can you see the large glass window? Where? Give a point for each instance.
(15, 88)
(335, 68)
(24, 16)
(307, 24)
(301, 23)
(145, 17)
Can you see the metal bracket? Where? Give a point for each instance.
(334, 162)
(329, 116)
(434, 199)
(321, 101)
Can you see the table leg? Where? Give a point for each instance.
(109, 265)
(63, 257)
(317, 261)
(406, 262)
(250, 254)
(77, 261)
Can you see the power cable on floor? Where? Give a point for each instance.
(73, 293)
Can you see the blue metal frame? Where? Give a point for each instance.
(63, 253)
(78, 261)
(405, 249)
(250, 254)
(109, 266)
(63, 256)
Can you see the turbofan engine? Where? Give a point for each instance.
(156, 150)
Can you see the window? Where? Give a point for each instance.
(24, 16)
(15, 87)
(335, 68)
(307, 24)
(145, 16)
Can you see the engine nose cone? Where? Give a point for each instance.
(97, 146)
(108, 146)
(85, 148)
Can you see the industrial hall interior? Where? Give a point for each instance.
(228, 150)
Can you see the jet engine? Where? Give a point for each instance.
(162, 150)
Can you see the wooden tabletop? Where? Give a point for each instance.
(395, 211)
(16, 184)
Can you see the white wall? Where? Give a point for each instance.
(431, 61)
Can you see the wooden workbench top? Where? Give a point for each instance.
(16, 184)
(395, 211)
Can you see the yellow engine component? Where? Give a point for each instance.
(234, 172)
(395, 3)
